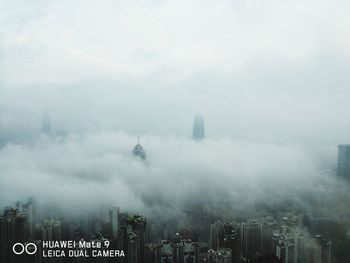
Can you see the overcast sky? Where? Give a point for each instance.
(265, 70)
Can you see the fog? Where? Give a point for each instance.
(223, 176)
(270, 79)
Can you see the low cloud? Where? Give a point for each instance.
(219, 176)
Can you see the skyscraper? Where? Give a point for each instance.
(285, 247)
(46, 125)
(166, 252)
(226, 236)
(343, 169)
(138, 150)
(222, 255)
(152, 253)
(198, 128)
(115, 221)
(232, 242)
(216, 239)
(178, 251)
(190, 251)
(138, 226)
(318, 250)
(13, 228)
(250, 238)
(51, 229)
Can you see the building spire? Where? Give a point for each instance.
(138, 150)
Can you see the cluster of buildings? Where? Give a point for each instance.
(285, 238)
(177, 250)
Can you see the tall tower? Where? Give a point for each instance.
(343, 168)
(139, 237)
(250, 238)
(286, 247)
(138, 150)
(231, 241)
(115, 221)
(13, 228)
(198, 128)
(46, 125)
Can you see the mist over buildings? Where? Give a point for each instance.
(219, 176)
(273, 91)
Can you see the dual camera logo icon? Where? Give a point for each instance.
(29, 248)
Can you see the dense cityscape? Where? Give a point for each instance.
(294, 236)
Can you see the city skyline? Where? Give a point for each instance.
(221, 125)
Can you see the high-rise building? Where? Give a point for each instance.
(152, 253)
(343, 168)
(216, 238)
(256, 236)
(139, 151)
(115, 221)
(222, 255)
(190, 252)
(13, 228)
(134, 255)
(166, 252)
(123, 241)
(267, 229)
(162, 252)
(317, 250)
(51, 229)
(38, 256)
(285, 247)
(178, 248)
(250, 238)
(326, 248)
(226, 236)
(198, 128)
(291, 221)
(232, 242)
(178, 251)
(138, 226)
(46, 125)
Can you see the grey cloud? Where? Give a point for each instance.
(224, 175)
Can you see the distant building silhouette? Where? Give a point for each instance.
(46, 125)
(133, 236)
(198, 128)
(114, 217)
(138, 150)
(250, 238)
(226, 236)
(343, 168)
(256, 236)
(51, 229)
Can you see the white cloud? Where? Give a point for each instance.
(73, 40)
(99, 168)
